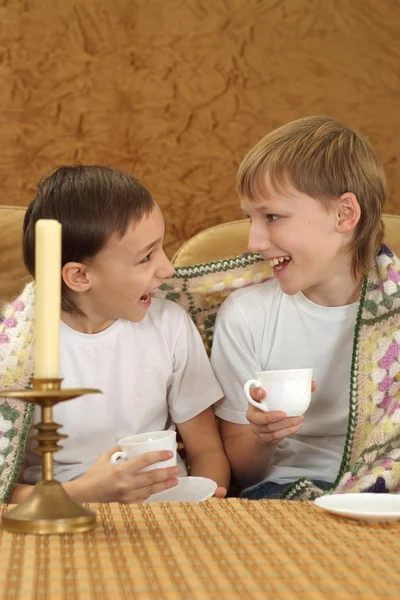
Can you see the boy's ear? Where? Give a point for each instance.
(75, 277)
(348, 213)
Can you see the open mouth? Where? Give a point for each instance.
(146, 298)
(279, 263)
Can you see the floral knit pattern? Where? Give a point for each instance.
(201, 289)
(371, 457)
(16, 368)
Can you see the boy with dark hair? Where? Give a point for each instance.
(144, 353)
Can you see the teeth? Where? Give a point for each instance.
(275, 261)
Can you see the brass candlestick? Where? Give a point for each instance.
(48, 508)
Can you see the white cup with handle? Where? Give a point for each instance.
(136, 445)
(288, 390)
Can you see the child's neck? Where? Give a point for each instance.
(86, 324)
(340, 289)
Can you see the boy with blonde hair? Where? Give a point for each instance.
(314, 191)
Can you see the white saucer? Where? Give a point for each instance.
(189, 489)
(363, 507)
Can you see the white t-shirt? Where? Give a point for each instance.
(152, 374)
(260, 328)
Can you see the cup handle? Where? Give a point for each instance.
(249, 384)
(117, 456)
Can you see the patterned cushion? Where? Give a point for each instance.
(201, 289)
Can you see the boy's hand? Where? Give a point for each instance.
(121, 482)
(220, 492)
(271, 427)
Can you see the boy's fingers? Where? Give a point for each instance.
(277, 436)
(145, 492)
(257, 393)
(148, 478)
(108, 454)
(259, 417)
(280, 425)
(220, 492)
(137, 463)
(313, 386)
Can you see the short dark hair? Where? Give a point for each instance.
(91, 203)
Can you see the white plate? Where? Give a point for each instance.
(364, 507)
(189, 489)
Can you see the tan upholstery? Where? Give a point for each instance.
(13, 274)
(230, 239)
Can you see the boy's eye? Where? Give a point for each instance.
(272, 218)
(146, 258)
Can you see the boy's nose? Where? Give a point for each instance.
(258, 240)
(167, 269)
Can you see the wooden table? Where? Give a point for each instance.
(222, 549)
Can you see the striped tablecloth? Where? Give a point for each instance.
(222, 549)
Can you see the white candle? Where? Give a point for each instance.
(48, 297)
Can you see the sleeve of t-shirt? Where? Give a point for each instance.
(193, 386)
(234, 360)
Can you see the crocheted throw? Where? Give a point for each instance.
(372, 449)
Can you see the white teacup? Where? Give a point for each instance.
(136, 445)
(288, 391)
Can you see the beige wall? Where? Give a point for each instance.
(176, 91)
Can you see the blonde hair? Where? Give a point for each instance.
(323, 159)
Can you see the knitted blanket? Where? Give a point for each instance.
(371, 454)
(371, 457)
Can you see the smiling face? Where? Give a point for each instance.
(304, 240)
(119, 281)
(129, 269)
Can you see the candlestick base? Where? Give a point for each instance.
(48, 509)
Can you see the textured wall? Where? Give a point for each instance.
(175, 91)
